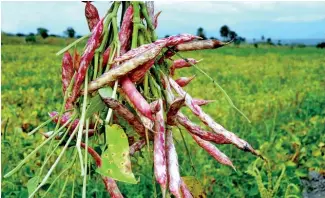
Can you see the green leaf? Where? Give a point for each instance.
(105, 92)
(116, 162)
(32, 184)
(96, 104)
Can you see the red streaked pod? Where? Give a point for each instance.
(86, 58)
(91, 14)
(181, 63)
(138, 73)
(170, 41)
(126, 114)
(67, 70)
(124, 68)
(126, 30)
(76, 60)
(160, 167)
(150, 5)
(137, 146)
(173, 110)
(185, 191)
(174, 178)
(213, 151)
(65, 118)
(199, 45)
(198, 131)
(201, 102)
(155, 19)
(134, 52)
(155, 107)
(110, 184)
(135, 97)
(207, 120)
(183, 81)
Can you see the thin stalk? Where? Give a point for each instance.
(42, 125)
(54, 149)
(110, 111)
(84, 186)
(29, 156)
(72, 44)
(55, 163)
(136, 22)
(81, 123)
(74, 181)
(64, 185)
(60, 174)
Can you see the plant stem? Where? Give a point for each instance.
(55, 163)
(81, 123)
(86, 159)
(136, 22)
(72, 44)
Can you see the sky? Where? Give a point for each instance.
(278, 20)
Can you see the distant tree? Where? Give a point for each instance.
(20, 34)
(262, 38)
(224, 31)
(53, 35)
(232, 35)
(321, 45)
(70, 32)
(43, 32)
(78, 36)
(279, 42)
(30, 38)
(255, 45)
(166, 36)
(200, 33)
(269, 41)
(212, 37)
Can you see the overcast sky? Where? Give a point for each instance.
(278, 20)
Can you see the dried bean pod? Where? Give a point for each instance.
(126, 30)
(181, 63)
(160, 168)
(126, 114)
(155, 107)
(138, 73)
(174, 178)
(198, 131)
(67, 70)
(199, 45)
(173, 110)
(206, 119)
(213, 151)
(92, 15)
(137, 146)
(76, 60)
(155, 20)
(201, 102)
(86, 58)
(124, 68)
(135, 97)
(185, 191)
(183, 81)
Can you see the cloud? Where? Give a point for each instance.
(305, 18)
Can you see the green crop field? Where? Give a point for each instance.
(280, 89)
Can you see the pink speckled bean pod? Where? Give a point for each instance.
(160, 167)
(91, 14)
(207, 120)
(183, 81)
(173, 110)
(213, 151)
(174, 178)
(181, 63)
(93, 43)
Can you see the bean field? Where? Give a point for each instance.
(280, 89)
